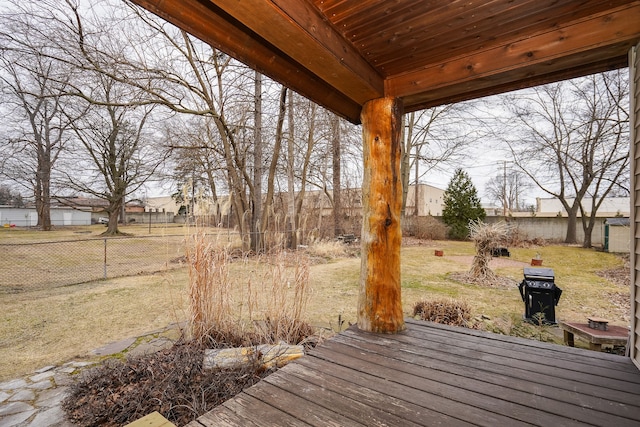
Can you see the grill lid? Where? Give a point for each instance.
(539, 274)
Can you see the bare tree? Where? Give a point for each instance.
(11, 198)
(189, 77)
(197, 163)
(509, 189)
(570, 138)
(433, 138)
(291, 205)
(116, 154)
(34, 85)
(307, 149)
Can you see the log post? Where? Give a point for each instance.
(379, 301)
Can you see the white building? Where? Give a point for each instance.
(28, 217)
(610, 207)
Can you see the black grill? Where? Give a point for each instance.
(540, 295)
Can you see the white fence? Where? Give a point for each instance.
(555, 229)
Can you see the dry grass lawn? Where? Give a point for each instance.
(50, 326)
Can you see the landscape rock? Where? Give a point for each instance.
(50, 398)
(18, 418)
(14, 408)
(42, 385)
(42, 376)
(115, 347)
(4, 396)
(10, 385)
(51, 417)
(23, 396)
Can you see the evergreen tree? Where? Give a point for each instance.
(461, 205)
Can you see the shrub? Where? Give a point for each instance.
(171, 381)
(445, 311)
(424, 227)
(327, 249)
(174, 381)
(286, 285)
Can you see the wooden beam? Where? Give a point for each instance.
(379, 301)
(299, 30)
(618, 27)
(207, 22)
(553, 71)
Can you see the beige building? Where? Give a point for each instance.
(430, 200)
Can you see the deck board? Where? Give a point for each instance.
(523, 391)
(556, 356)
(437, 375)
(524, 374)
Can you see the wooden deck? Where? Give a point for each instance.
(437, 375)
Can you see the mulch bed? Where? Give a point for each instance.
(172, 382)
(620, 276)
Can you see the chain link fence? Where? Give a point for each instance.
(34, 265)
(30, 266)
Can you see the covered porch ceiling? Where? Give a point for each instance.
(343, 53)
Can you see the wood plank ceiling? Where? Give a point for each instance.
(343, 53)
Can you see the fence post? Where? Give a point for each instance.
(105, 258)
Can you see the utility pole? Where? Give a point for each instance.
(505, 199)
(504, 189)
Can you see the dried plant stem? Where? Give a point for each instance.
(210, 296)
(289, 292)
(275, 306)
(486, 237)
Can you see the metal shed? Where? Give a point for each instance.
(617, 235)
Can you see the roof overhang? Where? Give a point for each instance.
(342, 53)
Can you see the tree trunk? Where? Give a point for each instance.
(336, 159)
(305, 169)
(379, 300)
(407, 136)
(112, 226)
(572, 235)
(273, 165)
(587, 236)
(587, 227)
(43, 189)
(416, 196)
(211, 182)
(291, 201)
(256, 214)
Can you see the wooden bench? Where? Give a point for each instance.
(613, 335)
(346, 238)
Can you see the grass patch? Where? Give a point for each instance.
(52, 325)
